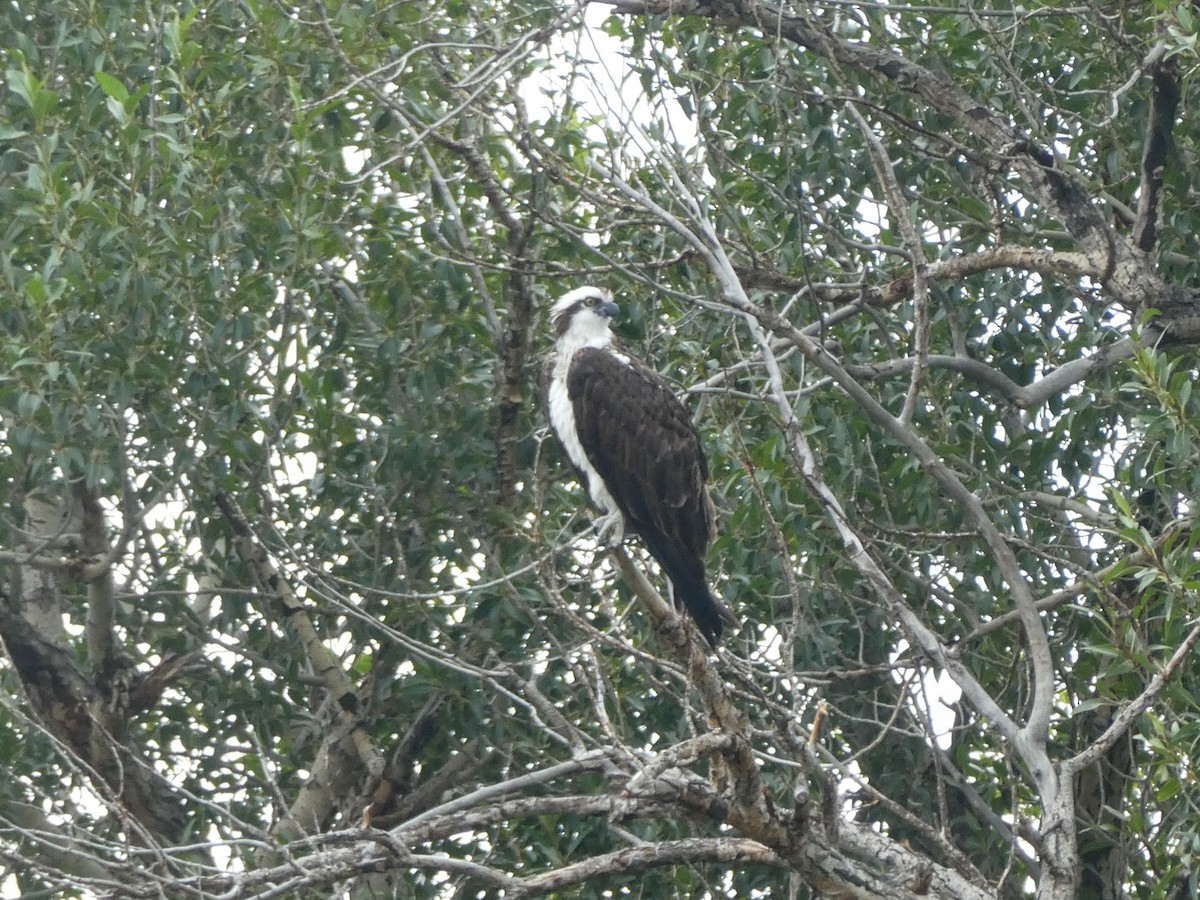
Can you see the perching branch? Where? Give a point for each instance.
(829, 863)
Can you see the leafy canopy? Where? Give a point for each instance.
(274, 283)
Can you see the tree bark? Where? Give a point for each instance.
(65, 700)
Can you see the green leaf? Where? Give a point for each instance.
(112, 87)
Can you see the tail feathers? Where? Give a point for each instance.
(689, 586)
(690, 590)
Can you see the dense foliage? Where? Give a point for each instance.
(299, 597)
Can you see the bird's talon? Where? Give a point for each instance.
(610, 530)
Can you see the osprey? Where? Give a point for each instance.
(634, 449)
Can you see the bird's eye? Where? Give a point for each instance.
(590, 301)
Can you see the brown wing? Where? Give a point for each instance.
(641, 441)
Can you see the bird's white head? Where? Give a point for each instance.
(584, 315)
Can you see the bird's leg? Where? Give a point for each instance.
(610, 529)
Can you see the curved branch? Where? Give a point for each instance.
(978, 371)
(899, 212)
(341, 691)
(690, 851)
(54, 845)
(1160, 124)
(1124, 270)
(1030, 396)
(595, 760)
(1051, 263)
(1077, 370)
(1125, 717)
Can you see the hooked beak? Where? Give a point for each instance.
(609, 310)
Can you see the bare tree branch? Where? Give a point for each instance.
(361, 750)
(666, 853)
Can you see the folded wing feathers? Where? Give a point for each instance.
(641, 440)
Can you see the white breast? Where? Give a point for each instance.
(562, 419)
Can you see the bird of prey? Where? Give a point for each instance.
(635, 450)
